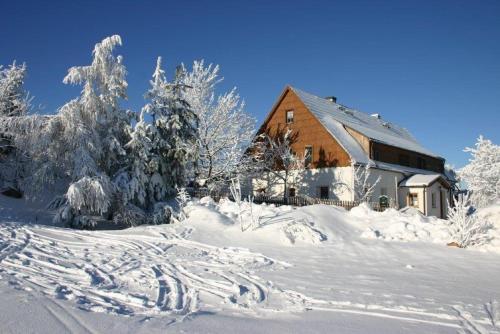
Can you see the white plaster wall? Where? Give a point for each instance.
(403, 197)
(340, 183)
(437, 188)
(388, 180)
(338, 179)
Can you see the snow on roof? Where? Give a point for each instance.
(402, 169)
(420, 180)
(334, 116)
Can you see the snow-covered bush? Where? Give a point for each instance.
(182, 199)
(93, 194)
(129, 215)
(162, 214)
(482, 174)
(225, 129)
(465, 227)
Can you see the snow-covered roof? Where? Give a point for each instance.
(402, 169)
(419, 180)
(335, 116)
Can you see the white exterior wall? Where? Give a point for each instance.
(340, 183)
(338, 180)
(425, 199)
(389, 181)
(403, 197)
(437, 188)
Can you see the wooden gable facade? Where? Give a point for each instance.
(326, 151)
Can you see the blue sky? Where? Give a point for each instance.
(430, 66)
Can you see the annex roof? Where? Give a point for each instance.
(421, 180)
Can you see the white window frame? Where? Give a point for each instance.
(289, 120)
(413, 200)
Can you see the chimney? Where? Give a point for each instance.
(331, 99)
(377, 116)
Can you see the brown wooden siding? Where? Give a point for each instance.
(326, 150)
(391, 154)
(360, 138)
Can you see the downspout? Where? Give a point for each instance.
(353, 192)
(397, 192)
(425, 204)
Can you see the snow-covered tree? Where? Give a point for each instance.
(140, 183)
(14, 99)
(178, 132)
(272, 154)
(363, 185)
(83, 144)
(465, 227)
(482, 174)
(225, 129)
(160, 150)
(143, 181)
(15, 103)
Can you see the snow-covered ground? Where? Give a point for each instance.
(315, 269)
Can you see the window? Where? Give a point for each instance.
(289, 116)
(413, 200)
(383, 191)
(291, 192)
(323, 192)
(421, 163)
(376, 155)
(433, 200)
(308, 155)
(404, 160)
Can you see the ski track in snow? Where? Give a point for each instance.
(162, 274)
(146, 275)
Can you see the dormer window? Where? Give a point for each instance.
(289, 116)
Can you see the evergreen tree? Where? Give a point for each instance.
(14, 99)
(177, 129)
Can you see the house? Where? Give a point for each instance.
(336, 139)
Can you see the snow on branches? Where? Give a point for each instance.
(363, 185)
(273, 154)
(465, 227)
(14, 99)
(160, 152)
(225, 129)
(114, 169)
(82, 145)
(482, 174)
(91, 193)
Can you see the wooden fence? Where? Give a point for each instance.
(279, 200)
